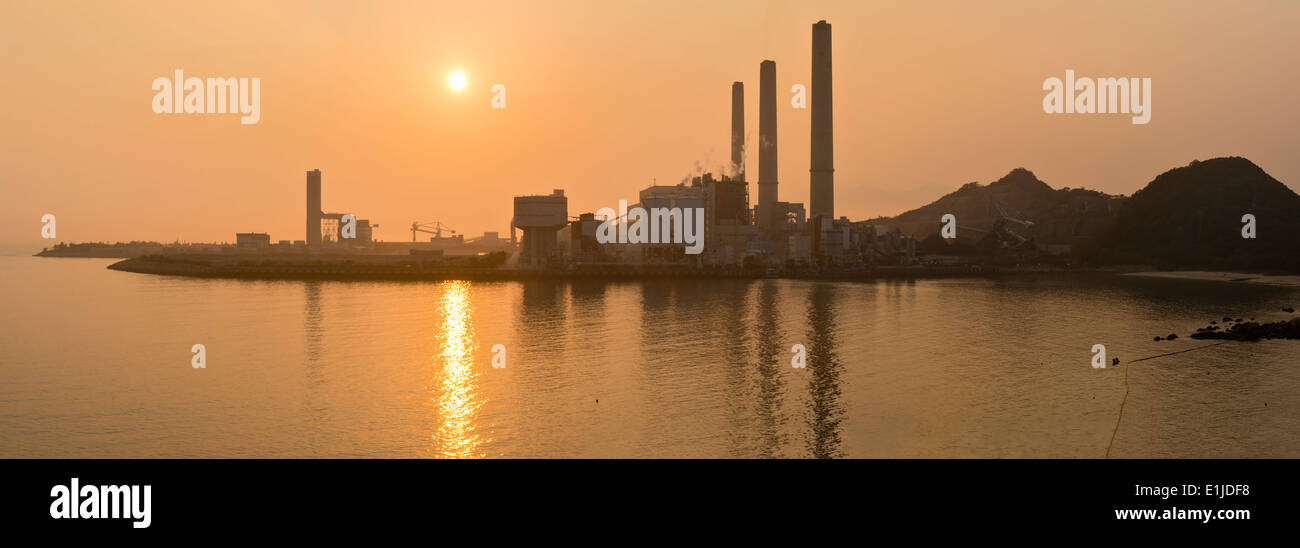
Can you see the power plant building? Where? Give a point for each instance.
(767, 232)
(540, 218)
(327, 228)
(583, 245)
(254, 240)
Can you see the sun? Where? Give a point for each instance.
(456, 80)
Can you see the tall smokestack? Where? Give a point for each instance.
(767, 145)
(822, 179)
(738, 129)
(313, 208)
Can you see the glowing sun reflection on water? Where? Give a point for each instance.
(457, 401)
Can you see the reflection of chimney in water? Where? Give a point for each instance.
(822, 178)
(767, 145)
(738, 130)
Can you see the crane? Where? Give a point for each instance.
(1009, 237)
(1002, 232)
(1009, 214)
(434, 228)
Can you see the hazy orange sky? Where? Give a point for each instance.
(602, 99)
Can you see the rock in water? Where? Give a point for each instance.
(1251, 331)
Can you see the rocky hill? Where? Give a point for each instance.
(1190, 217)
(1061, 216)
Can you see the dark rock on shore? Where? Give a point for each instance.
(1251, 331)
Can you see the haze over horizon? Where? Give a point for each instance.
(602, 101)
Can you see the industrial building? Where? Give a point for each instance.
(772, 232)
(332, 230)
(540, 218)
(327, 228)
(728, 220)
(583, 246)
(327, 232)
(253, 240)
(668, 197)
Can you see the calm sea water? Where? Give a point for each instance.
(96, 363)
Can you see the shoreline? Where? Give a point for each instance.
(406, 268)
(1284, 280)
